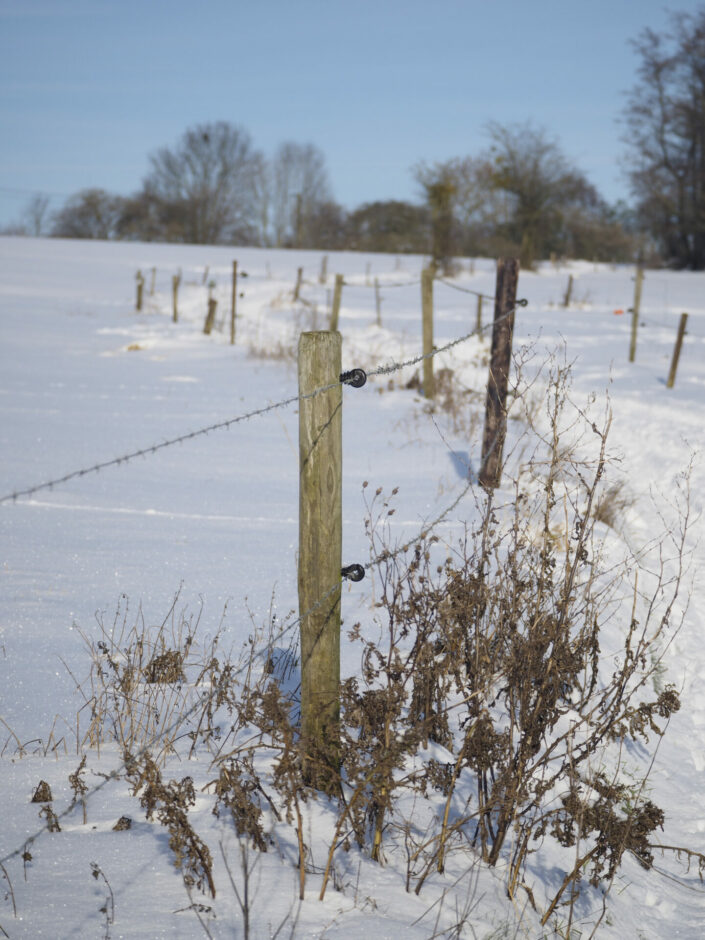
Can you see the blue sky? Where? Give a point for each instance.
(89, 89)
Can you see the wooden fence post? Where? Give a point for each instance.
(210, 316)
(297, 287)
(205, 275)
(153, 282)
(677, 350)
(568, 291)
(323, 276)
(233, 305)
(478, 317)
(427, 331)
(635, 311)
(496, 403)
(378, 302)
(140, 288)
(175, 281)
(320, 554)
(335, 309)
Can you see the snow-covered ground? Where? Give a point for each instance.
(85, 379)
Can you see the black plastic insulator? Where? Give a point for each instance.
(522, 303)
(355, 377)
(353, 572)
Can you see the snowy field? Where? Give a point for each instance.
(214, 519)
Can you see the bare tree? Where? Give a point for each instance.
(665, 117)
(91, 213)
(206, 185)
(299, 187)
(35, 214)
(540, 186)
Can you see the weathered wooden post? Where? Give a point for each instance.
(478, 316)
(496, 403)
(140, 288)
(323, 276)
(568, 291)
(210, 316)
(153, 282)
(677, 350)
(335, 309)
(233, 305)
(320, 554)
(175, 281)
(297, 287)
(378, 302)
(205, 275)
(635, 310)
(427, 331)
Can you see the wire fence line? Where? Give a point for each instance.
(202, 700)
(230, 422)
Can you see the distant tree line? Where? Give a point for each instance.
(214, 187)
(519, 196)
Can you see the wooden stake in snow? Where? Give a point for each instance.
(635, 311)
(320, 554)
(233, 305)
(478, 317)
(175, 281)
(210, 316)
(153, 282)
(140, 289)
(337, 294)
(677, 350)
(205, 275)
(378, 302)
(323, 276)
(496, 404)
(297, 288)
(427, 331)
(568, 291)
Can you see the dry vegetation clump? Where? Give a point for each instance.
(485, 725)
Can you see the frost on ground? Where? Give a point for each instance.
(148, 610)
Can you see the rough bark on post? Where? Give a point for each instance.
(635, 311)
(297, 287)
(210, 316)
(677, 350)
(378, 302)
(233, 305)
(175, 281)
(320, 555)
(427, 330)
(335, 310)
(140, 289)
(496, 404)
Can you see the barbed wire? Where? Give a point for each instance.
(394, 367)
(219, 425)
(465, 290)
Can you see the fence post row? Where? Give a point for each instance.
(427, 331)
(337, 295)
(320, 554)
(635, 311)
(496, 404)
(677, 350)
